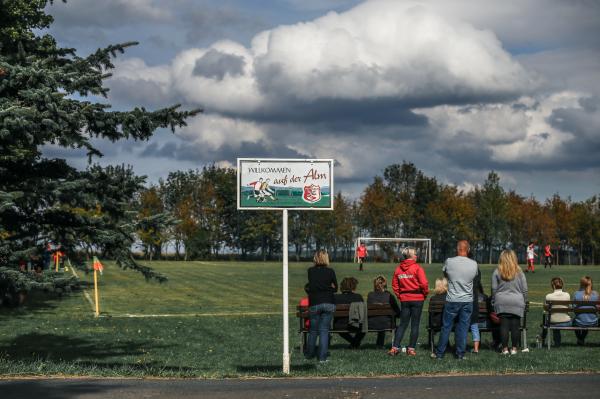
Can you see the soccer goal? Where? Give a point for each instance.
(422, 245)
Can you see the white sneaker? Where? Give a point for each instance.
(513, 351)
(505, 352)
(525, 350)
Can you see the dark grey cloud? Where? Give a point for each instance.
(584, 124)
(208, 21)
(343, 115)
(186, 152)
(574, 156)
(566, 68)
(108, 13)
(215, 65)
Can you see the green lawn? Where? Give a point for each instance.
(223, 319)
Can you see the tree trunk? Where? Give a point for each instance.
(177, 248)
(490, 255)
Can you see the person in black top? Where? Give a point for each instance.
(322, 284)
(381, 296)
(348, 286)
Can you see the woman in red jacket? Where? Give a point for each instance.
(411, 287)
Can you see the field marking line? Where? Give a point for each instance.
(86, 294)
(221, 314)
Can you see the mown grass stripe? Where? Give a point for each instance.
(86, 294)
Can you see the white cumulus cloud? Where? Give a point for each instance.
(402, 51)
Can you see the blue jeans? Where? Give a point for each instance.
(556, 333)
(320, 323)
(461, 312)
(475, 330)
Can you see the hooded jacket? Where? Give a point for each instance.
(409, 282)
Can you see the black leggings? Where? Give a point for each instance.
(510, 323)
(410, 312)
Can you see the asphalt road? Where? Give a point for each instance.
(464, 387)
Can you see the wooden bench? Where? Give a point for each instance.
(569, 307)
(342, 311)
(438, 308)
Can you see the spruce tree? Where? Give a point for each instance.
(47, 96)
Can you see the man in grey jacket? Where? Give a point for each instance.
(460, 272)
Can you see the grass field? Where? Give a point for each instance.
(223, 319)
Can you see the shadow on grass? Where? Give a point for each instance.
(40, 301)
(61, 347)
(53, 389)
(263, 368)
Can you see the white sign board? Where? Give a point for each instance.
(285, 183)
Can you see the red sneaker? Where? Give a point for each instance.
(411, 352)
(393, 351)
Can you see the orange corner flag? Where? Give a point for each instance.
(97, 265)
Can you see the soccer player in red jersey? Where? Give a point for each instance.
(547, 256)
(361, 254)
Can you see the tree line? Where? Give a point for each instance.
(201, 220)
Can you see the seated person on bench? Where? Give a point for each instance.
(381, 296)
(348, 286)
(586, 293)
(557, 319)
(440, 291)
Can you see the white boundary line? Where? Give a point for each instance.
(85, 293)
(140, 316)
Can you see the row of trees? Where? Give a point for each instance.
(203, 221)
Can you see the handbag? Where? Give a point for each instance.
(494, 318)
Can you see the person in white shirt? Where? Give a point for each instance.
(557, 319)
(531, 258)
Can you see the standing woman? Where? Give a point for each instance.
(509, 295)
(322, 285)
(411, 287)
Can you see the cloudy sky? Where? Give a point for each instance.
(458, 87)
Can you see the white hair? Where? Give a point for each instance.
(408, 252)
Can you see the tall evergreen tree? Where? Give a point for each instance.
(47, 97)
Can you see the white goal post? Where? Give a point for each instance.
(426, 241)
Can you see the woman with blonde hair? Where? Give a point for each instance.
(322, 284)
(586, 293)
(440, 291)
(509, 295)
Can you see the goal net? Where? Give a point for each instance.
(386, 247)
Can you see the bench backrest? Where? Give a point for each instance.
(343, 310)
(576, 307)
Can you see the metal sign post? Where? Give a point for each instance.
(283, 184)
(286, 315)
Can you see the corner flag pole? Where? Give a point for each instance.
(97, 268)
(286, 328)
(96, 293)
